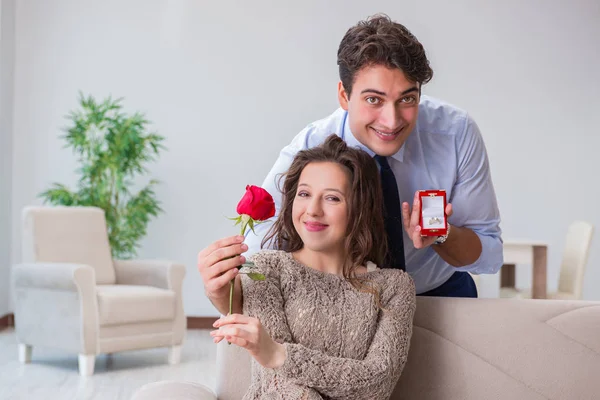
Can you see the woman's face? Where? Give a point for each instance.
(320, 208)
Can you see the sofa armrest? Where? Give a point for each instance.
(158, 273)
(174, 390)
(55, 276)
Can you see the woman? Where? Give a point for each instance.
(326, 322)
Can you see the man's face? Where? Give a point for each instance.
(382, 108)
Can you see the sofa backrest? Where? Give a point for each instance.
(481, 349)
(68, 235)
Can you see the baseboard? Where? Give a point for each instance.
(7, 321)
(201, 322)
(192, 322)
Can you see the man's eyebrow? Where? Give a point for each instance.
(412, 89)
(380, 93)
(374, 91)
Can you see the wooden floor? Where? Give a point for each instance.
(53, 374)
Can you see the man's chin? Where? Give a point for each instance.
(386, 149)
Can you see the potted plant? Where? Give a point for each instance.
(113, 148)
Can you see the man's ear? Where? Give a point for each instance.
(342, 96)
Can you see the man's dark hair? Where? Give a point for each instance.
(380, 41)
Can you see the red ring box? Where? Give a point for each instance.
(432, 215)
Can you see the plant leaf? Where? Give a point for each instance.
(251, 223)
(238, 220)
(255, 276)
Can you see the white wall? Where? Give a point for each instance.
(7, 41)
(230, 83)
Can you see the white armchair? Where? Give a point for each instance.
(70, 294)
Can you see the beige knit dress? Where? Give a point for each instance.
(339, 344)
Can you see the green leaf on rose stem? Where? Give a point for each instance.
(237, 220)
(252, 223)
(255, 276)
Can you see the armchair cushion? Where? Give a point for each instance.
(123, 304)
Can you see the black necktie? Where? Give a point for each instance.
(392, 216)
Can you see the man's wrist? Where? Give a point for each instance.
(462, 247)
(442, 239)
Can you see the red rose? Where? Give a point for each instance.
(257, 203)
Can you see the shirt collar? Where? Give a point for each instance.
(353, 142)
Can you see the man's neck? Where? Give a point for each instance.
(328, 262)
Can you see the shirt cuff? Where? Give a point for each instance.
(491, 258)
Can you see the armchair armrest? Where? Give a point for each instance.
(162, 274)
(56, 276)
(56, 305)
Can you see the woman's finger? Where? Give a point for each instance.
(233, 319)
(224, 242)
(239, 331)
(217, 339)
(222, 259)
(237, 341)
(229, 328)
(232, 338)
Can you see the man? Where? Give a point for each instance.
(419, 143)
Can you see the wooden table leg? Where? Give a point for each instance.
(507, 276)
(539, 281)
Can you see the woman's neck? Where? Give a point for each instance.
(329, 262)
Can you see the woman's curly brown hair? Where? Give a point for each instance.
(365, 233)
(380, 41)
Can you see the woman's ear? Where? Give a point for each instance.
(342, 96)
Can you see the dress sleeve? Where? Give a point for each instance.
(264, 300)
